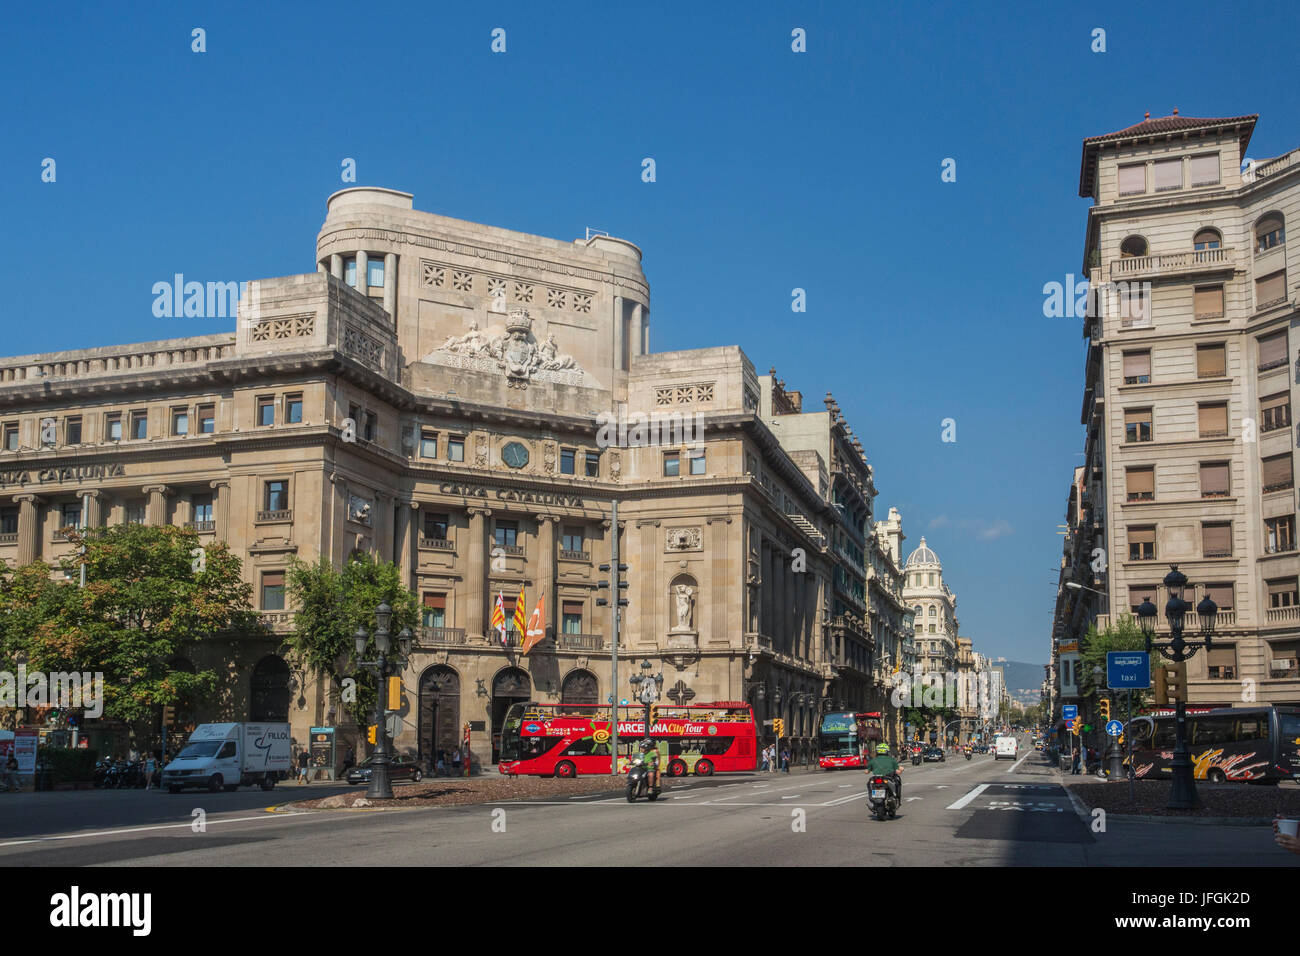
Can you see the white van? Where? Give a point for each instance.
(223, 756)
(1005, 747)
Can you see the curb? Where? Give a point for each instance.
(1202, 821)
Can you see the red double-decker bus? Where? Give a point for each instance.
(846, 739)
(564, 740)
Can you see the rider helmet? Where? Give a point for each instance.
(882, 749)
(646, 744)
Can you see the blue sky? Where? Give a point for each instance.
(775, 170)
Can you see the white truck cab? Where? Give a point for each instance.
(223, 756)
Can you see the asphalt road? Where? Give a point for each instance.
(958, 813)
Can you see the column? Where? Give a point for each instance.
(638, 331)
(382, 526)
(477, 579)
(765, 626)
(363, 281)
(618, 332)
(29, 527)
(546, 569)
(390, 285)
(220, 505)
(781, 621)
(336, 266)
(92, 509)
(156, 511)
(408, 514)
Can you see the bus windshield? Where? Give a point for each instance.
(510, 732)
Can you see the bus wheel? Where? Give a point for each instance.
(1216, 775)
(677, 769)
(704, 769)
(566, 770)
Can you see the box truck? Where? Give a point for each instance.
(223, 756)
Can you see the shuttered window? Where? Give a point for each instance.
(1134, 307)
(1213, 420)
(1220, 594)
(1214, 480)
(1141, 484)
(1141, 544)
(1137, 368)
(1272, 351)
(1275, 412)
(1168, 174)
(1211, 361)
(436, 601)
(1221, 664)
(1216, 540)
(1204, 169)
(1270, 289)
(1137, 424)
(1137, 593)
(1132, 179)
(435, 610)
(1282, 593)
(1276, 472)
(273, 591)
(1208, 301)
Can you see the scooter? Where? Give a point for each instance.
(968, 755)
(916, 758)
(638, 782)
(882, 797)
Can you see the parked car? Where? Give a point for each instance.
(400, 767)
(934, 753)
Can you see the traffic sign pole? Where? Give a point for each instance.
(1128, 742)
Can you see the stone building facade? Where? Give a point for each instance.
(467, 402)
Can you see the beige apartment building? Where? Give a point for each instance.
(467, 402)
(1189, 385)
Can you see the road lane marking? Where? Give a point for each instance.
(1016, 766)
(969, 797)
(794, 796)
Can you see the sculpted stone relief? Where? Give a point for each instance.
(515, 351)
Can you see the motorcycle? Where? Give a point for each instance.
(638, 782)
(882, 797)
(102, 769)
(916, 757)
(968, 755)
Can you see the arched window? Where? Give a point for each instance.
(1269, 232)
(1132, 246)
(579, 687)
(1207, 239)
(933, 610)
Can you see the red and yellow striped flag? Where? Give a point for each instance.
(499, 616)
(521, 613)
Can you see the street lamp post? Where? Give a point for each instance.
(389, 661)
(1182, 795)
(648, 687)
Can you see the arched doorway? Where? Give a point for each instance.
(268, 699)
(439, 712)
(510, 686)
(580, 688)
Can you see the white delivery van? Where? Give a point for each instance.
(223, 756)
(1005, 747)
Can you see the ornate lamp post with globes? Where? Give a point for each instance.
(1182, 795)
(390, 661)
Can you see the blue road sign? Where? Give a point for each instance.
(1114, 728)
(1128, 670)
(1069, 711)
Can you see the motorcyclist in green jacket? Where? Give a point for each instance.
(882, 764)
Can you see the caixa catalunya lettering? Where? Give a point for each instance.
(509, 494)
(57, 476)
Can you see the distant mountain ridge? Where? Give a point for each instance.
(1021, 676)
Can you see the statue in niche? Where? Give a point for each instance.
(685, 597)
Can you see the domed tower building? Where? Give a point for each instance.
(935, 607)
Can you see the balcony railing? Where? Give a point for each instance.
(9, 537)
(513, 550)
(1199, 260)
(761, 641)
(1271, 548)
(437, 544)
(1218, 553)
(1283, 615)
(1276, 363)
(1272, 167)
(566, 555)
(286, 515)
(202, 527)
(431, 636)
(1286, 667)
(1280, 486)
(580, 642)
(277, 620)
(1141, 496)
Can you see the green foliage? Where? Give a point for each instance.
(330, 605)
(143, 606)
(68, 765)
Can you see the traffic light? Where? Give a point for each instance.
(1170, 683)
(778, 726)
(394, 694)
(370, 732)
(603, 585)
(169, 715)
(1105, 709)
(654, 716)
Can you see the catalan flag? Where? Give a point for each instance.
(499, 616)
(536, 626)
(521, 613)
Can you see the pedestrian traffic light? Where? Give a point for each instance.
(1105, 709)
(370, 732)
(169, 715)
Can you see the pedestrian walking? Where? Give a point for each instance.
(11, 773)
(771, 759)
(785, 760)
(441, 767)
(150, 765)
(455, 761)
(304, 762)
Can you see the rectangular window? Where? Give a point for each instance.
(698, 463)
(1137, 368)
(1141, 483)
(1211, 361)
(135, 511)
(1282, 593)
(139, 425)
(455, 448)
(1220, 594)
(70, 516)
(1133, 179)
(354, 413)
(672, 464)
(1221, 664)
(1134, 308)
(572, 539)
(1208, 302)
(372, 427)
(1268, 235)
(1276, 473)
(180, 421)
(1272, 351)
(428, 444)
(293, 409)
(571, 615)
(1271, 289)
(1216, 540)
(593, 464)
(272, 590)
(11, 436)
(72, 431)
(1141, 544)
(436, 525)
(207, 419)
(1279, 534)
(1137, 424)
(375, 272)
(506, 534)
(1203, 170)
(1212, 420)
(1168, 174)
(8, 520)
(112, 426)
(1138, 593)
(277, 495)
(350, 271)
(1275, 412)
(201, 506)
(567, 461)
(265, 411)
(435, 610)
(1214, 479)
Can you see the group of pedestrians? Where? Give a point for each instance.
(773, 761)
(443, 761)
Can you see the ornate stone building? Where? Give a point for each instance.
(935, 607)
(467, 401)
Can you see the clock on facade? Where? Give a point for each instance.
(515, 455)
